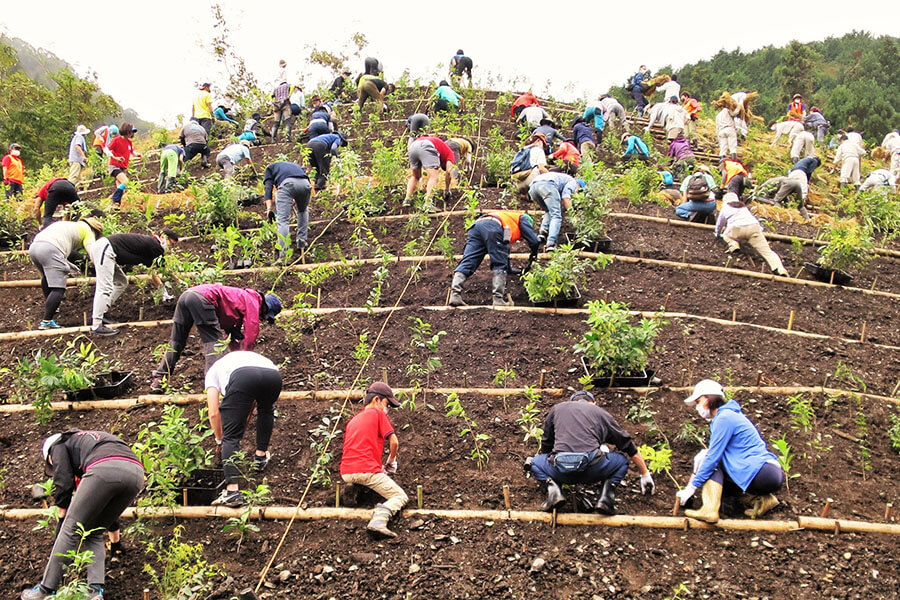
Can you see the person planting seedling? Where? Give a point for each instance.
(431, 154)
(737, 462)
(574, 450)
(493, 233)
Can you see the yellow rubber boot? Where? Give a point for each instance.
(762, 505)
(712, 499)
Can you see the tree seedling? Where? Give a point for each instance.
(478, 453)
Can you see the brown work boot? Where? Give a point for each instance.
(761, 505)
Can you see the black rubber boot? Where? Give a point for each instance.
(499, 289)
(456, 289)
(607, 503)
(554, 496)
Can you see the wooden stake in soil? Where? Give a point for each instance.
(319, 298)
(506, 497)
(184, 497)
(419, 499)
(827, 508)
(887, 511)
(862, 334)
(874, 281)
(837, 527)
(666, 303)
(675, 507)
(337, 495)
(791, 321)
(384, 375)
(146, 594)
(544, 372)
(84, 314)
(141, 313)
(734, 314)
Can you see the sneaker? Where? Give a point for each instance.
(103, 330)
(107, 320)
(96, 593)
(35, 593)
(732, 248)
(51, 324)
(550, 247)
(156, 386)
(782, 273)
(429, 207)
(230, 499)
(406, 202)
(261, 462)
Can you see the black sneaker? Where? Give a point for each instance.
(156, 386)
(107, 320)
(261, 462)
(104, 331)
(230, 499)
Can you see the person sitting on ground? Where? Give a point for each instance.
(461, 65)
(676, 119)
(531, 117)
(220, 312)
(737, 462)
(879, 179)
(120, 151)
(683, 159)
(253, 127)
(552, 192)
(525, 100)
(802, 172)
(570, 158)
(202, 110)
(803, 146)
(737, 224)
(785, 128)
(637, 87)
(848, 156)
(109, 254)
(635, 148)
(816, 121)
(583, 136)
(53, 194)
(337, 86)
(726, 129)
(613, 112)
(195, 140)
(108, 476)
(692, 107)
(575, 449)
(233, 155)
(699, 193)
(551, 134)
(171, 161)
(493, 233)
(281, 102)
(374, 88)
(778, 189)
(291, 187)
(364, 439)
(235, 384)
(321, 149)
(431, 154)
(50, 252)
(417, 123)
(446, 98)
(529, 162)
(373, 66)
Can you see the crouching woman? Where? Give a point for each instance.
(737, 463)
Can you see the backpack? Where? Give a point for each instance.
(698, 188)
(521, 161)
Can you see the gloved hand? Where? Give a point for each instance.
(391, 468)
(166, 296)
(685, 494)
(526, 466)
(270, 216)
(647, 485)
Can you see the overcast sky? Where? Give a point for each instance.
(149, 55)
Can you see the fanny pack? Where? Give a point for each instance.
(573, 462)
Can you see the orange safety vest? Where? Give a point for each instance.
(510, 220)
(795, 111)
(100, 140)
(692, 106)
(732, 168)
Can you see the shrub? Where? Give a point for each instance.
(638, 182)
(13, 224)
(217, 202)
(388, 163)
(559, 277)
(849, 246)
(612, 345)
(876, 209)
(590, 208)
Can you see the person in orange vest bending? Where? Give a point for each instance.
(493, 233)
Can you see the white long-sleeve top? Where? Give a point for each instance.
(669, 89)
(732, 216)
(725, 119)
(676, 116)
(848, 149)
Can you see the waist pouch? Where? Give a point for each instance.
(573, 462)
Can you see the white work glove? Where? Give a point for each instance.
(685, 494)
(647, 485)
(391, 468)
(166, 296)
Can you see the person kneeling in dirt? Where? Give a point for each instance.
(110, 477)
(233, 155)
(221, 313)
(635, 148)
(429, 153)
(737, 462)
(291, 185)
(446, 99)
(253, 127)
(364, 439)
(493, 233)
(552, 191)
(529, 162)
(575, 450)
(737, 224)
(802, 172)
(569, 157)
(234, 385)
(109, 254)
(699, 192)
(683, 158)
(583, 136)
(879, 179)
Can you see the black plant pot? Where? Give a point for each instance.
(572, 301)
(837, 277)
(107, 385)
(600, 245)
(633, 380)
(202, 487)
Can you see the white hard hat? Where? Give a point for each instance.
(706, 387)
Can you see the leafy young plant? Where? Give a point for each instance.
(591, 207)
(894, 432)
(478, 453)
(424, 343)
(849, 246)
(530, 424)
(77, 561)
(803, 414)
(659, 459)
(241, 525)
(612, 345)
(181, 572)
(785, 456)
(559, 278)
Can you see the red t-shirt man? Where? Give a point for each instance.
(445, 153)
(121, 147)
(364, 441)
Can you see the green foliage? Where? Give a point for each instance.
(803, 415)
(862, 433)
(689, 433)
(894, 431)
(877, 209)
(498, 156)
(679, 592)
(612, 345)
(785, 456)
(75, 588)
(232, 244)
(638, 182)
(849, 246)
(530, 424)
(170, 451)
(659, 459)
(590, 207)
(217, 203)
(181, 270)
(241, 525)
(181, 572)
(388, 163)
(560, 276)
(478, 453)
(13, 221)
(425, 360)
(380, 281)
(320, 438)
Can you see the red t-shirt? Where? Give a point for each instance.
(364, 442)
(42, 193)
(120, 146)
(444, 151)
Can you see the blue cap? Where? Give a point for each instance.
(581, 182)
(273, 306)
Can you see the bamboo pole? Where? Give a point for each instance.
(843, 525)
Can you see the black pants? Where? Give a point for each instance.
(768, 480)
(192, 150)
(320, 157)
(61, 192)
(205, 124)
(14, 189)
(192, 309)
(464, 66)
(441, 105)
(247, 386)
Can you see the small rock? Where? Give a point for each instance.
(847, 556)
(537, 564)
(414, 568)
(417, 524)
(363, 557)
(454, 539)
(327, 570)
(284, 575)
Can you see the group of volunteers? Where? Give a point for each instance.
(581, 445)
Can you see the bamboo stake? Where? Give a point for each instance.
(337, 494)
(862, 335)
(758, 378)
(184, 499)
(146, 594)
(734, 315)
(84, 317)
(790, 324)
(827, 508)
(384, 376)
(676, 506)
(544, 372)
(666, 303)
(319, 298)
(888, 508)
(141, 313)
(506, 502)
(419, 497)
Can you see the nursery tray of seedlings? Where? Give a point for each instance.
(827, 275)
(107, 385)
(203, 486)
(571, 301)
(601, 245)
(634, 380)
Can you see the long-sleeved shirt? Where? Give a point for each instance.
(566, 184)
(581, 426)
(676, 116)
(532, 115)
(238, 310)
(595, 112)
(814, 120)
(731, 217)
(736, 444)
(635, 145)
(669, 89)
(331, 140)
(680, 149)
(879, 178)
(67, 236)
(769, 188)
(847, 150)
(75, 452)
(298, 97)
(725, 119)
(278, 172)
(135, 249)
(236, 153)
(445, 92)
(807, 165)
(550, 133)
(582, 132)
(891, 142)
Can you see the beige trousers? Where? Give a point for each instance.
(394, 496)
(75, 173)
(727, 142)
(850, 170)
(753, 235)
